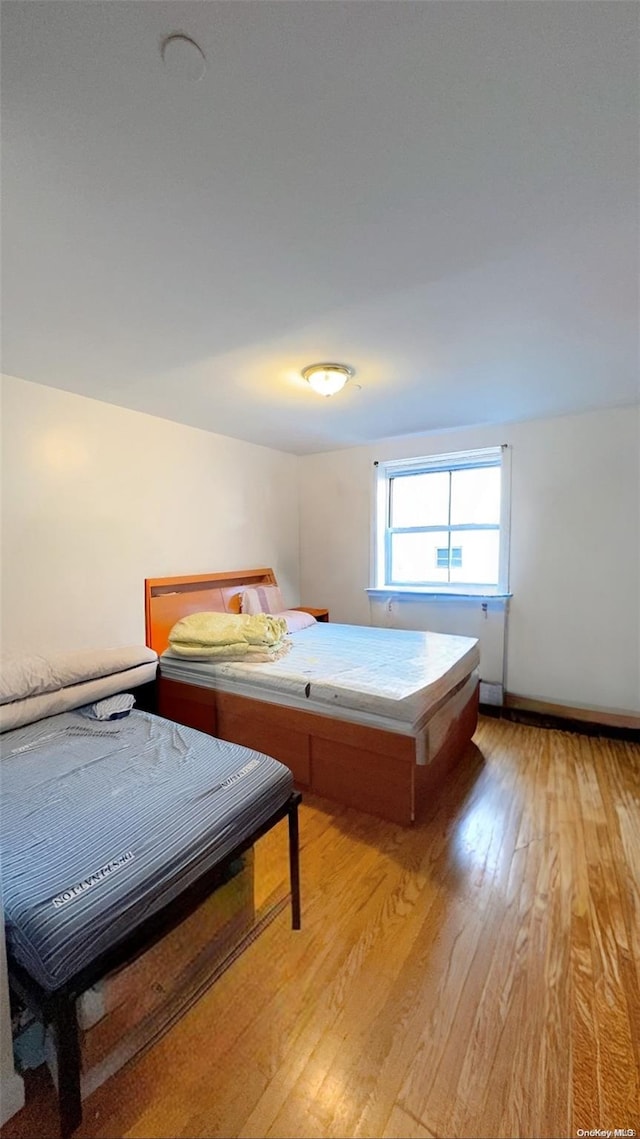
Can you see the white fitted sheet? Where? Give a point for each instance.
(396, 674)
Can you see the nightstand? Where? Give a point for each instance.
(319, 614)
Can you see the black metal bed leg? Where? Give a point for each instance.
(65, 1026)
(294, 863)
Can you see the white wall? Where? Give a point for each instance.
(95, 498)
(574, 623)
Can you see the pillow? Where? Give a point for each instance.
(113, 708)
(296, 621)
(262, 599)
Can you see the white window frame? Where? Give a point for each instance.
(456, 460)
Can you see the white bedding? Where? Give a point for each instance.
(33, 687)
(395, 675)
(23, 675)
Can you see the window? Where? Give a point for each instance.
(449, 557)
(442, 523)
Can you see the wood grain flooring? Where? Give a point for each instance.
(476, 975)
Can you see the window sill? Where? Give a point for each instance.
(397, 592)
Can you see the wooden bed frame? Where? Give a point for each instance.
(365, 767)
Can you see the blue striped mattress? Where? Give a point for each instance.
(103, 823)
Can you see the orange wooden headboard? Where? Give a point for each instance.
(167, 599)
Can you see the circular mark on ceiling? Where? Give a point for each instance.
(182, 57)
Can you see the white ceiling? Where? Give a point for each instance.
(442, 195)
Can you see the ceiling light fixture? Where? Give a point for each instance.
(327, 379)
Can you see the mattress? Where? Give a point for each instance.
(105, 822)
(18, 712)
(394, 675)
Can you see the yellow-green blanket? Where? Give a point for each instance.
(230, 636)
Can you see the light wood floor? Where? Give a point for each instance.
(477, 975)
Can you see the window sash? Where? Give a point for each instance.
(445, 528)
(454, 461)
(450, 531)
